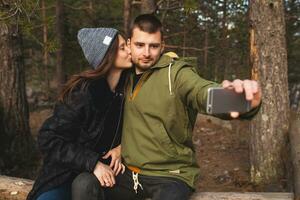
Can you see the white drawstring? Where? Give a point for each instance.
(170, 82)
(136, 183)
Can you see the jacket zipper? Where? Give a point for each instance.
(136, 89)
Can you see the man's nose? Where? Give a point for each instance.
(146, 51)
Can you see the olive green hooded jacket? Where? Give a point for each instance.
(159, 116)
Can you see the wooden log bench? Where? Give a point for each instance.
(12, 188)
(242, 196)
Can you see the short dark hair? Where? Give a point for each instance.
(147, 23)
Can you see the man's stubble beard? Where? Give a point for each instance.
(142, 68)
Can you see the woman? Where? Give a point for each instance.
(83, 134)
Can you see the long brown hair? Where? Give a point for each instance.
(84, 77)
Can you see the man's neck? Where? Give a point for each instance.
(138, 71)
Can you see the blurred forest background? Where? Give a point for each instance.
(42, 37)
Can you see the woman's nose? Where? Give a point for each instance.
(128, 49)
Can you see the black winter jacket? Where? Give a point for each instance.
(78, 134)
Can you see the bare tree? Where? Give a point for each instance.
(269, 59)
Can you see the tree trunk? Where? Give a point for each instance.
(269, 129)
(204, 8)
(60, 79)
(16, 143)
(90, 7)
(221, 61)
(127, 16)
(184, 41)
(148, 6)
(224, 44)
(205, 53)
(45, 43)
(295, 150)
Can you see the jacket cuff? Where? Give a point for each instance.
(92, 161)
(251, 113)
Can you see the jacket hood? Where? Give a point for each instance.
(165, 60)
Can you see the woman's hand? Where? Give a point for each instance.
(104, 174)
(115, 164)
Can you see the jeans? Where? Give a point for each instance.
(62, 192)
(87, 186)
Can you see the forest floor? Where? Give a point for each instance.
(222, 152)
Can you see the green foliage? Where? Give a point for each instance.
(228, 46)
(190, 5)
(185, 27)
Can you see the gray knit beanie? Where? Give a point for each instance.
(95, 42)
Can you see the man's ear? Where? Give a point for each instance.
(162, 47)
(128, 42)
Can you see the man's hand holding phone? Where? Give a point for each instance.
(251, 89)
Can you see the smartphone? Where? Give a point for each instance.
(220, 101)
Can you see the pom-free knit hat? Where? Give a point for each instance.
(95, 43)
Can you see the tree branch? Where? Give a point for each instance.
(9, 16)
(174, 34)
(170, 8)
(187, 48)
(136, 2)
(76, 8)
(46, 8)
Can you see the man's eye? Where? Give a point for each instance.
(154, 46)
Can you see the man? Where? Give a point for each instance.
(157, 130)
(163, 96)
